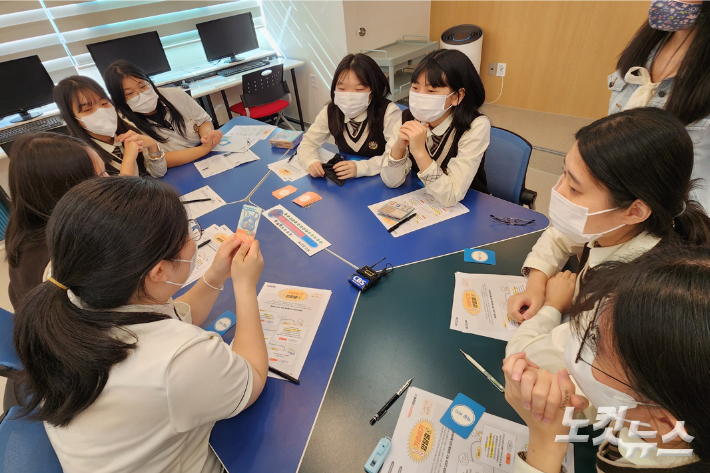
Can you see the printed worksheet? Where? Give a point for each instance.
(198, 209)
(421, 444)
(290, 316)
(223, 162)
(206, 253)
(297, 231)
(254, 133)
(288, 169)
(428, 210)
(481, 304)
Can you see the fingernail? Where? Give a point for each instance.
(546, 421)
(526, 405)
(526, 317)
(537, 416)
(516, 376)
(565, 374)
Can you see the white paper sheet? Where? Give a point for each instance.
(297, 231)
(481, 304)
(223, 162)
(290, 316)
(198, 209)
(429, 212)
(206, 254)
(289, 169)
(421, 444)
(241, 138)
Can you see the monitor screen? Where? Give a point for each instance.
(25, 85)
(144, 50)
(228, 36)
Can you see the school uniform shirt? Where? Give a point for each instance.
(319, 132)
(156, 167)
(194, 116)
(656, 96)
(450, 184)
(543, 337)
(611, 459)
(158, 407)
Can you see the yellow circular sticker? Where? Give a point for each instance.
(471, 302)
(293, 295)
(421, 441)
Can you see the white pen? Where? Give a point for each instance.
(483, 371)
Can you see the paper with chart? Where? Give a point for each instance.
(421, 444)
(198, 209)
(290, 316)
(206, 254)
(429, 212)
(223, 162)
(297, 231)
(289, 169)
(481, 304)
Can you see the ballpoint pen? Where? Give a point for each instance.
(483, 371)
(195, 201)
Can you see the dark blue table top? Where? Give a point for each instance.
(271, 435)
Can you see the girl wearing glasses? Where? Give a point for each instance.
(134, 382)
(646, 349)
(625, 188)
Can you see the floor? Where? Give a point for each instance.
(551, 136)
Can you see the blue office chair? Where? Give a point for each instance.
(506, 164)
(401, 106)
(25, 447)
(9, 362)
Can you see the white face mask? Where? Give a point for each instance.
(570, 218)
(352, 103)
(103, 121)
(426, 107)
(145, 102)
(598, 393)
(192, 267)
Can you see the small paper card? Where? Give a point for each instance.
(462, 415)
(307, 199)
(283, 192)
(223, 323)
(395, 210)
(473, 255)
(248, 223)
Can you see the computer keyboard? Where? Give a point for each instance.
(230, 71)
(47, 123)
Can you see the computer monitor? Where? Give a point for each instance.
(227, 37)
(144, 50)
(25, 85)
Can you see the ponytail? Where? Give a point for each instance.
(692, 225)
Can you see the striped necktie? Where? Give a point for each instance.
(436, 141)
(119, 155)
(355, 126)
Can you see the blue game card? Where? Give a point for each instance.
(462, 415)
(473, 255)
(223, 323)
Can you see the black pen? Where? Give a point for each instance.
(284, 375)
(399, 224)
(206, 242)
(195, 201)
(392, 400)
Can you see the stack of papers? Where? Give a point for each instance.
(240, 138)
(198, 209)
(206, 254)
(223, 162)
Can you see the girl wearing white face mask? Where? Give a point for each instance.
(625, 189)
(665, 66)
(168, 115)
(359, 118)
(91, 117)
(645, 349)
(143, 375)
(442, 137)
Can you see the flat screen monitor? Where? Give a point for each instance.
(144, 50)
(228, 37)
(25, 85)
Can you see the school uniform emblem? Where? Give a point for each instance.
(372, 145)
(195, 127)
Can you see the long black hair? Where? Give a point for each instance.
(646, 154)
(689, 99)
(114, 75)
(453, 69)
(43, 167)
(657, 313)
(102, 250)
(74, 89)
(369, 74)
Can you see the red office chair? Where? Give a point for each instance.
(264, 93)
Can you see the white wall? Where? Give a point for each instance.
(385, 22)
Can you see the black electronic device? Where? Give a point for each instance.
(228, 37)
(144, 50)
(367, 276)
(25, 85)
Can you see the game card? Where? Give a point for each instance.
(248, 223)
(307, 199)
(283, 192)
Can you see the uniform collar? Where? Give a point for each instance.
(107, 147)
(638, 245)
(360, 118)
(169, 308)
(441, 128)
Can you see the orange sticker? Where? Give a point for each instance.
(421, 441)
(471, 302)
(293, 295)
